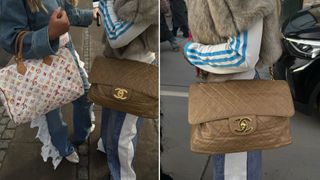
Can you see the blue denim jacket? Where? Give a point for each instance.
(16, 16)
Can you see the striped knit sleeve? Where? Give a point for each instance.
(239, 54)
(119, 33)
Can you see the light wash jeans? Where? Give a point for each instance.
(82, 108)
(119, 132)
(245, 165)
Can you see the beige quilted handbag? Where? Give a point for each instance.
(125, 85)
(241, 115)
(31, 88)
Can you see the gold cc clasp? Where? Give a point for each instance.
(120, 94)
(244, 125)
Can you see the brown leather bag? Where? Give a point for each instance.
(125, 85)
(241, 115)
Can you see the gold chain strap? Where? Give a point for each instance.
(271, 73)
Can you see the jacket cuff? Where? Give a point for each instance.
(41, 45)
(86, 17)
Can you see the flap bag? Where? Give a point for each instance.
(33, 87)
(239, 115)
(125, 85)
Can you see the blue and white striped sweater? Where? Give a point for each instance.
(120, 32)
(114, 29)
(233, 57)
(238, 55)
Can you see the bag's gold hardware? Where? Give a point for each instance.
(271, 72)
(244, 125)
(120, 94)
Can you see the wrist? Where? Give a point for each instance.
(51, 35)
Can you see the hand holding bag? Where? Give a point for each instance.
(125, 85)
(239, 115)
(31, 88)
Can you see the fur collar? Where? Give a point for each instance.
(212, 21)
(137, 11)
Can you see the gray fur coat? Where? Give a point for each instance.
(137, 11)
(212, 21)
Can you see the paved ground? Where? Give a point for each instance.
(20, 152)
(299, 161)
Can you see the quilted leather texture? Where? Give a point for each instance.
(216, 136)
(140, 80)
(140, 76)
(237, 116)
(214, 101)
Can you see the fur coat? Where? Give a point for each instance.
(212, 21)
(137, 11)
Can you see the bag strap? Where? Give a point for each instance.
(278, 11)
(278, 7)
(19, 43)
(21, 68)
(271, 73)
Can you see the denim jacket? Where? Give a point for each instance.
(15, 16)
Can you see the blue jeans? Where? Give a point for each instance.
(250, 167)
(58, 131)
(119, 132)
(82, 108)
(81, 126)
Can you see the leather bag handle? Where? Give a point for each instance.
(271, 73)
(21, 68)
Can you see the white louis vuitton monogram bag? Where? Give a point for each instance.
(31, 88)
